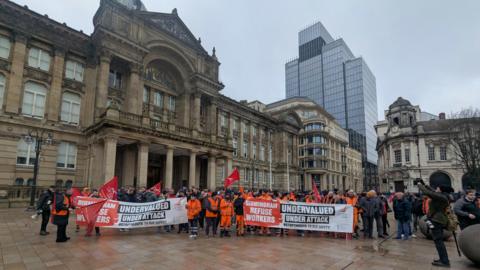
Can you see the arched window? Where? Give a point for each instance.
(34, 98)
(30, 182)
(68, 184)
(70, 108)
(2, 88)
(19, 181)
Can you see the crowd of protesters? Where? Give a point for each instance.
(218, 210)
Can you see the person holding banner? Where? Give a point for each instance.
(238, 209)
(352, 200)
(94, 194)
(193, 210)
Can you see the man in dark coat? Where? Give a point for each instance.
(436, 214)
(402, 209)
(43, 207)
(60, 212)
(466, 210)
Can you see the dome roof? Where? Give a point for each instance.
(400, 102)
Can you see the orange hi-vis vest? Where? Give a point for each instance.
(226, 208)
(425, 206)
(214, 206)
(66, 202)
(193, 208)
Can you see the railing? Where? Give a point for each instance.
(14, 196)
(130, 117)
(183, 130)
(157, 124)
(204, 136)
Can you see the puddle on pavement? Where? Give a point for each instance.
(373, 249)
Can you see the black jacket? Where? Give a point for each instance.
(462, 209)
(402, 210)
(238, 206)
(438, 204)
(45, 200)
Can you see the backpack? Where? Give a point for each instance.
(452, 222)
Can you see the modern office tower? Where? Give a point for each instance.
(328, 72)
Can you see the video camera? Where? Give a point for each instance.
(418, 180)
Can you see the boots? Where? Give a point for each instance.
(222, 232)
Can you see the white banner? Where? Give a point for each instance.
(117, 214)
(317, 217)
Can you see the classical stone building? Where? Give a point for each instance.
(323, 151)
(140, 99)
(413, 144)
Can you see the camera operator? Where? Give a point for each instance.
(43, 208)
(436, 214)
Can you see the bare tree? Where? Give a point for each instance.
(465, 138)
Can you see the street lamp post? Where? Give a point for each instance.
(39, 137)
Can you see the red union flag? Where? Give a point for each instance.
(318, 198)
(109, 189)
(232, 178)
(75, 193)
(157, 188)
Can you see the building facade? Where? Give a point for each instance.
(411, 146)
(327, 72)
(323, 152)
(139, 98)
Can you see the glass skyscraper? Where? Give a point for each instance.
(327, 72)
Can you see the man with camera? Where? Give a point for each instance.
(436, 214)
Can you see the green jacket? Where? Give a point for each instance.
(438, 203)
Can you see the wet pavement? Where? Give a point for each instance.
(22, 248)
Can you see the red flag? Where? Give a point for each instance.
(75, 193)
(318, 198)
(157, 188)
(90, 213)
(232, 178)
(109, 189)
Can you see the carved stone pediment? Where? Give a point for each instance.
(37, 74)
(72, 85)
(4, 65)
(173, 25)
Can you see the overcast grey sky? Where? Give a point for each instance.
(425, 51)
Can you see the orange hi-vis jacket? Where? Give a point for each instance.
(425, 205)
(309, 199)
(353, 202)
(266, 197)
(226, 208)
(66, 203)
(193, 208)
(213, 206)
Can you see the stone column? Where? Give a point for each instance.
(165, 108)
(192, 168)
(196, 111)
(134, 95)
(55, 95)
(229, 166)
(240, 139)
(212, 166)
(142, 164)
(102, 83)
(213, 120)
(129, 166)
(15, 82)
(109, 157)
(169, 167)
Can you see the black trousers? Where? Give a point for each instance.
(437, 235)
(61, 233)
(211, 222)
(385, 223)
(201, 218)
(45, 219)
(193, 226)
